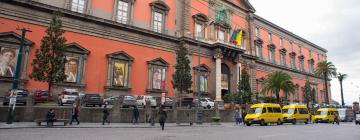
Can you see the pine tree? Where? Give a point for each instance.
(307, 93)
(244, 89)
(49, 62)
(182, 79)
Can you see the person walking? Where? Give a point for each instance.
(336, 118)
(75, 114)
(106, 114)
(237, 117)
(135, 117)
(162, 117)
(50, 117)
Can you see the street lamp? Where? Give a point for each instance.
(198, 113)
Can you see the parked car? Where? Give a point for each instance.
(141, 100)
(110, 100)
(357, 119)
(206, 103)
(92, 99)
(68, 96)
(168, 102)
(41, 96)
(127, 101)
(345, 114)
(22, 95)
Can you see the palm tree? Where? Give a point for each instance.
(277, 81)
(326, 70)
(341, 77)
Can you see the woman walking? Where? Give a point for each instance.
(75, 114)
(106, 114)
(162, 117)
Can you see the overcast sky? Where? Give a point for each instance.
(331, 24)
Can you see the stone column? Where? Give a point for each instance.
(238, 69)
(218, 56)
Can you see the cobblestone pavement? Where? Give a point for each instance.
(225, 131)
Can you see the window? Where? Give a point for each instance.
(159, 11)
(318, 57)
(199, 33)
(75, 56)
(270, 37)
(204, 72)
(78, 6)
(119, 65)
(122, 12)
(200, 21)
(259, 51)
(281, 42)
(277, 110)
(263, 110)
(270, 109)
(157, 75)
(221, 35)
(271, 53)
(311, 65)
(301, 64)
(257, 32)
(283, 57)
(158, 22)
(300, 49)
(296, 94)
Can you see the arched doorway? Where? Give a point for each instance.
(225, 80)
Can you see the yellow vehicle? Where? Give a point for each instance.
(295, 113)
(326, 115)
(263, 114)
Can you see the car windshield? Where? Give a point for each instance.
(289, 111)
(129, 98)
(322, 112)
(255, 110)
(71, 93)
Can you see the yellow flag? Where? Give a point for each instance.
(239, 38)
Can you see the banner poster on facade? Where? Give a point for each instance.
(158, 78)
(71, 69)
(224, 81)
(203, 83)
(120, 74)
(7, 61)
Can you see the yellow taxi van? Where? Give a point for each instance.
(295, 113)
(263, 114)
(325, 115)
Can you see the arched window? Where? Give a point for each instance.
(159, 11)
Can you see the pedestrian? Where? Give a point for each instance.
(237, 117)
(336, 118)
(75, 114)
(50, 117)
(162, 117)
(135, 117)
(106, 114)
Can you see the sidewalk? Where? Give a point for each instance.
(19, 125)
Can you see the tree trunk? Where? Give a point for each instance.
(326, 89)
(49, 88)
(278, 96)
(342, 94)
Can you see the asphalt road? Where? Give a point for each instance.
(226, 131)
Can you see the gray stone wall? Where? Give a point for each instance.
(122, 115)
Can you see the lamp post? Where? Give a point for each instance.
(12, 102)
(198, 113)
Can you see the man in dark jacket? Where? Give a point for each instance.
(50, 117)
(136, 115)
(106, 113)
(162, 117)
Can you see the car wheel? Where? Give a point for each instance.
(248, 124)
(262, 123)
(294, 122)
(306, 121)
(279, 122)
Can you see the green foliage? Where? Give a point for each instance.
(216, 118)
(270, 99)
(278, 81)
(341, 77)
(244, 90)
(307, 93)
(49, 62)
(182, 79)
(326, 70)
(228, 98)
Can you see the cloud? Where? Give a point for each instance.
(332, 24)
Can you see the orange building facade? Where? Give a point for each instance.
(127, 47)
